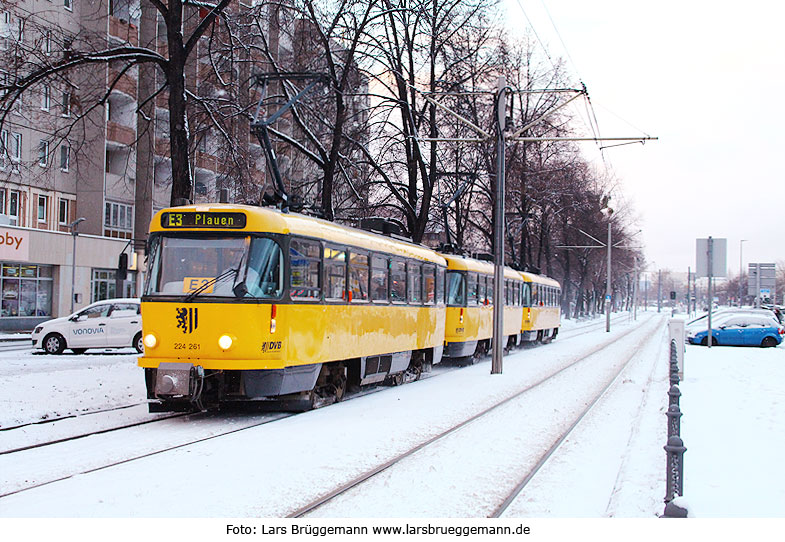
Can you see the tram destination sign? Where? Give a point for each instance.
(203, 219)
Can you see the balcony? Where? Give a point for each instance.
(123, 30)
(126, 84)
(117, 133)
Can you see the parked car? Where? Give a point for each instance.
(722, 314)
(112, 323)
(742, 329)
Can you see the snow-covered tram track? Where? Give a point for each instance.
(612, 381)
(95, 451)
(340, 496)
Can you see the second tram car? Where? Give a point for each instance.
(470, 288)
(542, 312)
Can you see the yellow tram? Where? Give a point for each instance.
(470, 287)
(247, 303)
(542, 308)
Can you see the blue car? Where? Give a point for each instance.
(740, 330)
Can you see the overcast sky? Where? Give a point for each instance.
(707, 79)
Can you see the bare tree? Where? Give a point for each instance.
(185, 22)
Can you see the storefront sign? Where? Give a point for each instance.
(14, 245)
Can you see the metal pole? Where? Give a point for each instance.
(74, 232)
(608, 279)
(635, 291)
(757, 286)
(659, 290)
(741, 269)
(711, 298)
(498, 235)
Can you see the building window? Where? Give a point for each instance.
(65, 157)
(3, 148)
(63, 215)
(46, 98)
(118, 220)
(43, 205)
(103, 285)
(68, 4)
(65, 104)
(26, 290)
(43, 152)
(15, 147)
(14, 205)
(2, 201)
(5, 22)
(47, 44)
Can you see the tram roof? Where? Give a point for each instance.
(540, 279)
(462, 263)
(267, 220)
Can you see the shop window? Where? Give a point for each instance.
(26, 290)
(103, 285)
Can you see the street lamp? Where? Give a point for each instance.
(609, 212)
(741, 269)
(74, 232)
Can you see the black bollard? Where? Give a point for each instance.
(674, 420)
(675, 468)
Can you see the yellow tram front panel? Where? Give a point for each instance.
(544, 312)
(476, 323)
(302, 334)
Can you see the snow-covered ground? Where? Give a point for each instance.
(613, 466)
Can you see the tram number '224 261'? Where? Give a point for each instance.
(187, 346)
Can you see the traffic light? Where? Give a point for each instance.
(122, 266)
(673, 295)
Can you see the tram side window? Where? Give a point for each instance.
(489, 295)
(527, 294)
(471, 288)
(440, 286)
(481, 289)
(335, 273)
(429, 284)
(456, 289)
(358, 276)
(305, 262)
(264, 278)
(379, 270)
(398, 281)
(414, 275)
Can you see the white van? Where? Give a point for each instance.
(112, 323)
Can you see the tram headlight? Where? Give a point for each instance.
(150, 341)
(225, 342)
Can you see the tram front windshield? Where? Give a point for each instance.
(213, 265)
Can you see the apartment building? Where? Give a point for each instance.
(84, 157)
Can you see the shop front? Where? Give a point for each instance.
(38, 281)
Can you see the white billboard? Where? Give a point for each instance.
(719, 258)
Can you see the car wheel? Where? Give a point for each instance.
(54, 343)
(79, 351)
(138, 343)
(704, 342)
(768, 342)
